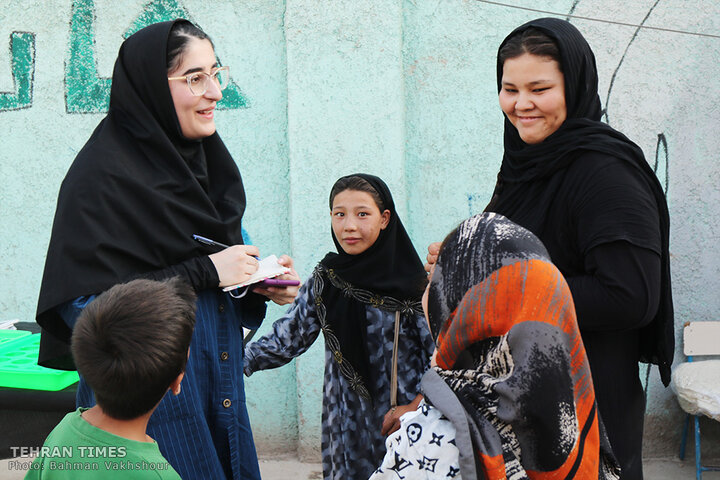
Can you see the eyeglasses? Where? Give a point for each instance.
(198, 82)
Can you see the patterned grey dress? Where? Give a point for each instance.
(352, 446)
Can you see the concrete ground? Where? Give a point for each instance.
(290, 468)
(659, 469)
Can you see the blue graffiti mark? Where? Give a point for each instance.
(22, 55)
(85, 90)
(473, 207)
(246, 237)
(662, 162)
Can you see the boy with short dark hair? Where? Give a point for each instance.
(131, 346)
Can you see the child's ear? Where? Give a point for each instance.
(175, 385)
(385, 219)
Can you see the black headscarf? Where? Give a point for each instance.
(390, 267)
(138, 190)
(529, 170)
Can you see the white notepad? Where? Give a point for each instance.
(268, 268)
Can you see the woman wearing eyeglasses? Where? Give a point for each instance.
(152, 174)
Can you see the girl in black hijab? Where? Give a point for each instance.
(365, 299)
(587, 192)
(152, 174)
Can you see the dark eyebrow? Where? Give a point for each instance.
(535, 82)
(192, 70)
(199, 69)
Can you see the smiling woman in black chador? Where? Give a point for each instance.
(152, 174)
(587, 192)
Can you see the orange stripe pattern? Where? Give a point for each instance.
(528, 291)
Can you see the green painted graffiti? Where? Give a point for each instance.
(22, 54)
(157, 11)
(85, 90)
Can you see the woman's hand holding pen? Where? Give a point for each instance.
(235, 264)
(282, 295)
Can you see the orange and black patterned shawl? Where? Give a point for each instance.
(510, 350)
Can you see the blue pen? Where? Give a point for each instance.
(213, 243)
(207, 241)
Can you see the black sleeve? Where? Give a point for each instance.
(611, 201)
(254, 307)
(199, 272)
(621, 287)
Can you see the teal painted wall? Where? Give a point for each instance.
(400, 88)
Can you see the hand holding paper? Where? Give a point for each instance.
(280, 294)
(268, 268)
